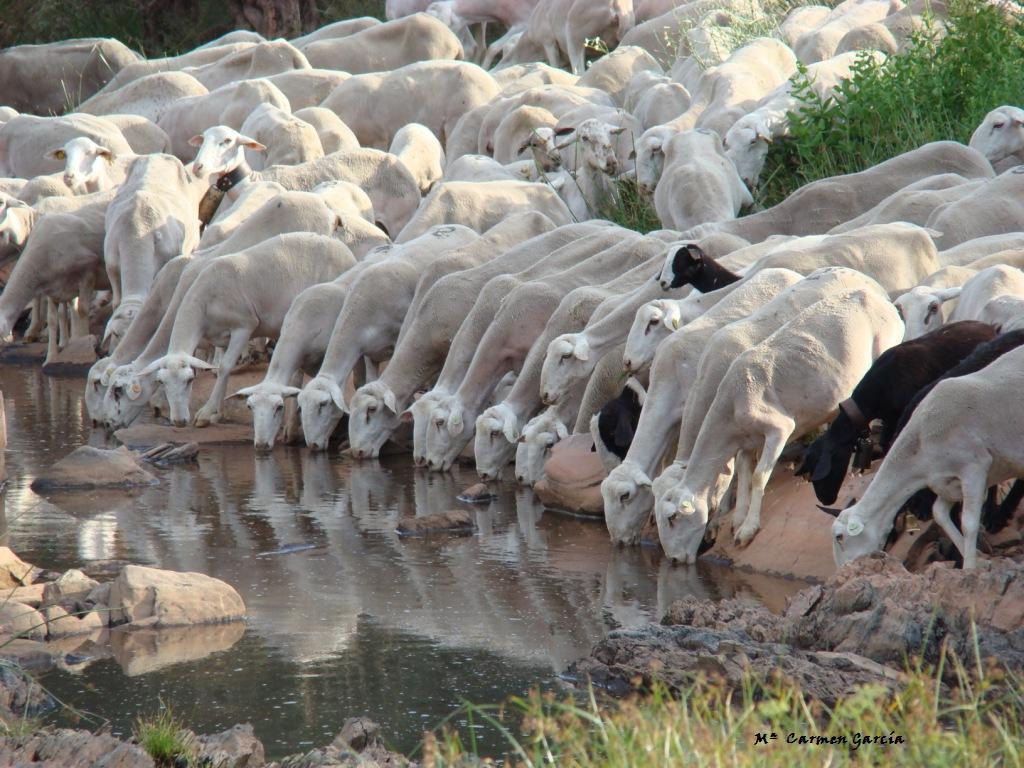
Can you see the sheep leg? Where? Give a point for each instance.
(480, 38)
(940, 513)
(35, 321)
(975, 487)
(577, 57)
(62, 324)
(80, 309)
(551, 53)
(210, 413)
(774, 442)
(371, 369)
(53, 319)
(744, 470)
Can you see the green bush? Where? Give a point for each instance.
(940, 89)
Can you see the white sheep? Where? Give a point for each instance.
(427, 335)
(235, 298)
(287, 139)
(925, 307)
(368, 324)
(698, 183)
(420, 152)
(1000, 137)
(999, 280)
(786, 386)
(589, 189)
(627, 489)
(962, 439)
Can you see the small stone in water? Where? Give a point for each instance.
(453, 521)
(477, 494)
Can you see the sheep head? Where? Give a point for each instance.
(321, 406)
(1000, 134)
(921, 309)
(419, 412)
(853, 536)
(539, 438)
(16, 219)
(682, 519)
(597, 145)
(627, 501)
(568, 360)
(221, 150)
(119, 322)
(266, 401)
(127, 395)
(85, 162)
(96, 383)
(684, 263)
(746, 144)
(650, 157)
(176, 372)
(654, 321)
(373, 416)
(444, 426)
(494, 444)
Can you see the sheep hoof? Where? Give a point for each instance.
(205, 419)
(743, 537)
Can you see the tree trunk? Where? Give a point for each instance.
(275, 18)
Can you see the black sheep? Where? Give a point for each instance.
(617, 419)
(883, 393)
(691, 266)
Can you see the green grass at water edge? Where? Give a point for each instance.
(165, 738)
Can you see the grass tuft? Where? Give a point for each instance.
(631, 209)
(165, 738)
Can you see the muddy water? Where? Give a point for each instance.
(344, 617)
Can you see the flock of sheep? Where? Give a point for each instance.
(366, 194)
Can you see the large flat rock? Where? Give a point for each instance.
(88, 467)
(75, 359)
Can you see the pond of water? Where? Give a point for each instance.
(344, 618)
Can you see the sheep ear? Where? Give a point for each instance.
(202, 365)
(673, 317)
(581, 352)
(564, 131)
(389, 401)
(854, 527)
(338, 397)
(252, 144)
(196, 141)
(290, 391)
(948, 294)
(154, 366)
(509, 431)
(134, 390)
(656, 145)
(565, 144)
(617, 131)
(406, 417)
(244, 392)
(829, 510)
(561, 431)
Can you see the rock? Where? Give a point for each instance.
(27, 654)
(66, 748)
(358, 733)
(795, 540)
(148, 435)
(87, 467)
(72, 586)
(76, 358)
(20, 620)
(14, 572)
(236, 747)
(678, 655)
(572, 478)
(140, 651)
(59, 623)
(99, 596)
(30, 595)
(21, 695)
(156, 598)
(875, 607)
(751, 618)
(452, 521)
(477, 494)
